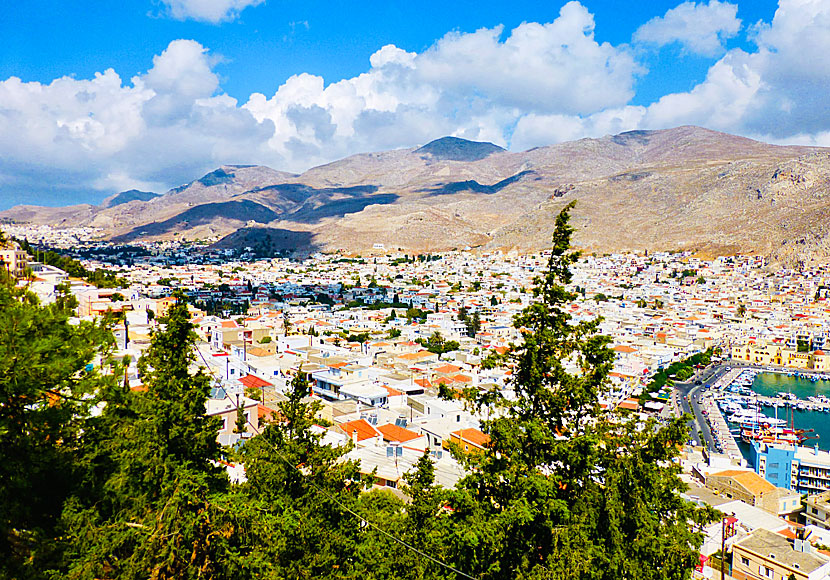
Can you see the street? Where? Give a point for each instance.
(689, 402)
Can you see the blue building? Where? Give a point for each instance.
(774, 463)
(795, 467)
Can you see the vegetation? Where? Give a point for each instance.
(438, 344)
(565, 491)
(99, 277)
(680, 370)
(137, 490)
(472, 322)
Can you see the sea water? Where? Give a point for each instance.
(770, 384)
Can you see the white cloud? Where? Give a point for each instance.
(213, 11)
(165, 127)
(475, 85)
(699, 28)
(557, 66)
(774, 92)
(537, 84)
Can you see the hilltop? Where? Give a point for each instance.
(680, 188)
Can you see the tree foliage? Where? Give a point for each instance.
(102, 481)
(151, 474)
(563, 490)
(45, 389)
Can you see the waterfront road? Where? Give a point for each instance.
(688, 394)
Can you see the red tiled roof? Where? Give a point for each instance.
(473, 436)
(629, 404)
(266, 412)
(392, 392)
(254, 382)
(423, 383)
(395, 433)
(363, 428)
(447, 369)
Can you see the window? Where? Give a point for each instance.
(773, 466)
(769, 572)
(744, 561)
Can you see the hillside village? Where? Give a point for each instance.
(379, 336)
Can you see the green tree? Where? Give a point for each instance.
(45, 393)
(473, 324)
(564, 491)
(151, 506)
(303, 490)
(241, 425)
(437, 344)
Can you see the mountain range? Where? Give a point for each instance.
(681, 188)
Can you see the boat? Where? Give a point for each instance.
(777, 435)
(754, 419)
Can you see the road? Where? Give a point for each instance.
(689, 401)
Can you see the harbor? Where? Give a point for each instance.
(771, 406)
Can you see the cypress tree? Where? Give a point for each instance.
(565, 490)
(153, 499)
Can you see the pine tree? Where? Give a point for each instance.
(152, 504)
(45, 393)
(302, 488)
(564, 490)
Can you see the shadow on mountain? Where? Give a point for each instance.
(630, 137)
(317, 204)
(267, 240)
(299, 192)
(127, 197)
(202, 215)
(630, 176)
(475, 186)
(316, 209)
(457, 149)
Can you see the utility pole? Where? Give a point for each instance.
(723, 549)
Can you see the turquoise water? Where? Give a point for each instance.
(770, 384)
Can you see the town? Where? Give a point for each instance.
(380, 335)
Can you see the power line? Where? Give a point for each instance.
(330, 497)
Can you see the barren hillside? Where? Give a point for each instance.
(682, 188)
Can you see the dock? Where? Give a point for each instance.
(720, 428)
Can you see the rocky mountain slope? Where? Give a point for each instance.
(681, 188)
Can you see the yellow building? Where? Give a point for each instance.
(775, 354)
(762, 354)
(765, 554)
(14, 259)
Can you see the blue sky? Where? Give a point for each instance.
(96, 97)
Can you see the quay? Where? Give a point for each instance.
(719, 427)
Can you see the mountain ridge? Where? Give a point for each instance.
(680, 188)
